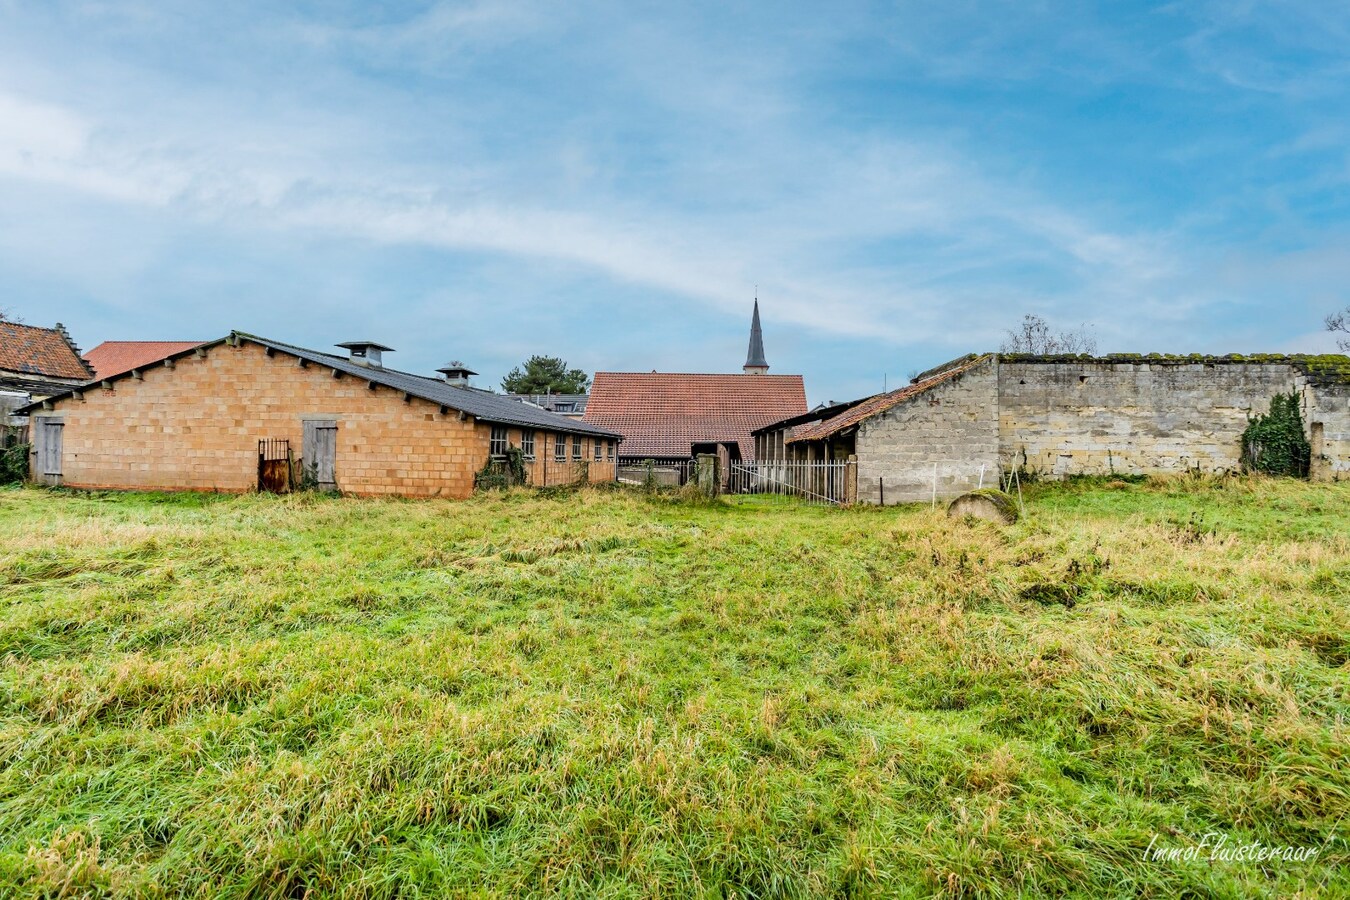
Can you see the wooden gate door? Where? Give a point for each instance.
(319, 453)
(274, 465)
(49, 450)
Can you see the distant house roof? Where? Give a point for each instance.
(41, 353)
(879, 403)
(115, 357)
(664, 414)
(565, 404)
(479, 404)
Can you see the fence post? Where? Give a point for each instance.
(851, 479)
(707, 475)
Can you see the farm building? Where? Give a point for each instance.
(957, 426)
(671, 417)
(36, 363)
(245, 412)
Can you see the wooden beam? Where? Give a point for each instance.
(136, 374)
(78, 395)
(445, 410)
(407, 398)
(107, 385)
(47, 404)
(200, 352)
(337, 373)
(371, 385)
(301, 362)
(269, 351)
(169, 363)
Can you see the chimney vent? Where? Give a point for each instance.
(366, 353)
(456, 373)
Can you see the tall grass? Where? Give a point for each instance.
(600, 694)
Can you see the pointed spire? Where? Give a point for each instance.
(755, 363)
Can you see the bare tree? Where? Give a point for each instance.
(1036, 336)
(1340, 321)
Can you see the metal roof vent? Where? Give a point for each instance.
(456, 373)
(366, 353)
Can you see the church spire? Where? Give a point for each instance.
(755, 363)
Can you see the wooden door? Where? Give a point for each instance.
(319, 453)
(49, 446)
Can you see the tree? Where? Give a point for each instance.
(1035, 336)
(545, 375)
(1340, 321)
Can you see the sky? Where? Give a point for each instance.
(614, 183)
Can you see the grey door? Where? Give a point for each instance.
(48, 441)
(319, 453)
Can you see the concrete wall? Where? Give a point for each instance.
(1060, 419)
(953, 426)
(197, 426)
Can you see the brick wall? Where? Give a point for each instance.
(952, 426)
(197, 426)
(1061, 419)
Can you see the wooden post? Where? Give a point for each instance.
(707, 477)
(851, 479)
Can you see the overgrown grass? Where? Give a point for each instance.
(602, 694)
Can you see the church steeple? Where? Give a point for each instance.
(755, 363)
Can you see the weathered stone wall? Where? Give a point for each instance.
(1095, 417)
(949, 431)
(197, 426)
(1327, 416)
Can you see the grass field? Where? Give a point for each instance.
(603, 694)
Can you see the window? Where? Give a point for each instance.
(599, 448)
(564, 407)
(576, 446)
(560, 448)
(610, 446)
(527, 443)
(498, 445)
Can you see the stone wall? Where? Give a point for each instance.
(1095, 417)
(1327, 416)
(949, 432)
(196, 426)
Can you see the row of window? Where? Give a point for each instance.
(600, 449)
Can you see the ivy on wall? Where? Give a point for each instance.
(1274, 443)
(498, 474)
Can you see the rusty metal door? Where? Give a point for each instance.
(274, 465)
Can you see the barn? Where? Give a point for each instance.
(245, 412)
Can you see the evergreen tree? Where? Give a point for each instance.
(545, 375)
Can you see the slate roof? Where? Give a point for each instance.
(663, 414)
(879, 403)
(479, 404)
(115, 357)
(41, 352)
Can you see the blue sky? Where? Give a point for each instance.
(609, 182)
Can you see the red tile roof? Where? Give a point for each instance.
(663, 414)
(115, 357)
(816, 431)
(47, 352)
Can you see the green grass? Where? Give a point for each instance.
(604, 694)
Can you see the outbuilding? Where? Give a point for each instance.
(245, 412)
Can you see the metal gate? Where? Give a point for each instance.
(274, 465)
(832, 482)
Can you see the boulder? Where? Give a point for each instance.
(988, 503)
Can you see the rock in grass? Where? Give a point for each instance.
(989, 504)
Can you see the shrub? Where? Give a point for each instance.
(14, 464)
(1274, 443)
